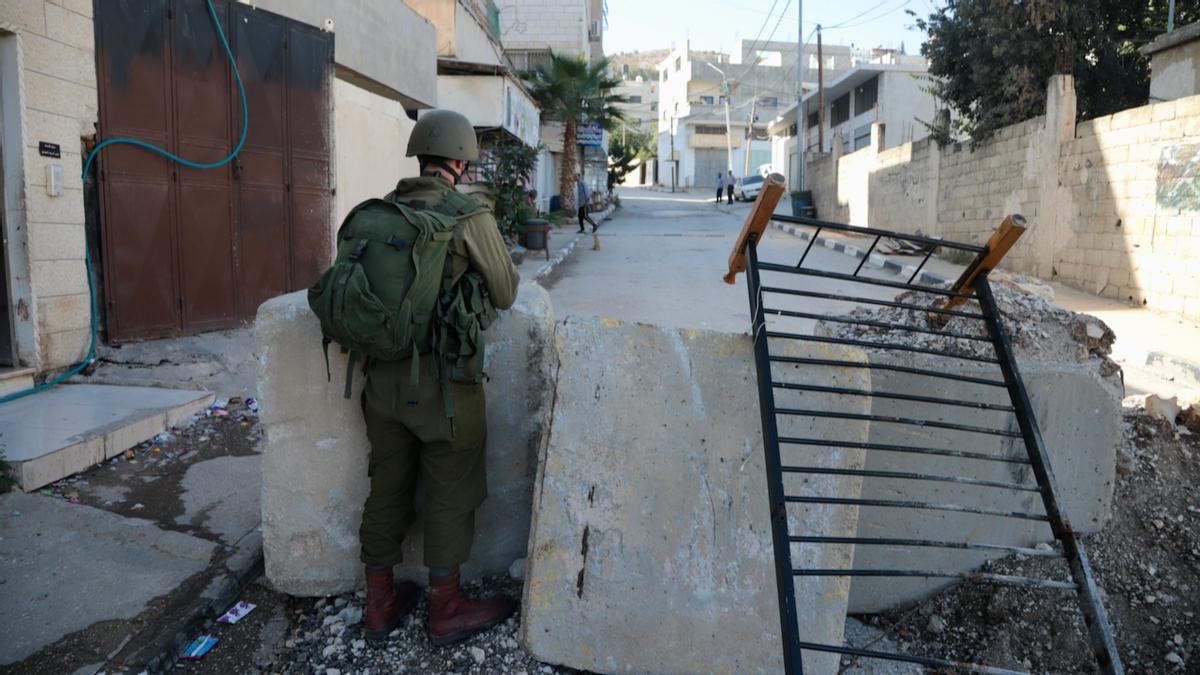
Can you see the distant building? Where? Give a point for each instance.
(641, 115)
(1174, 64)
(529, 31)
(758, 80)
(893, 93)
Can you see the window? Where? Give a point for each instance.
(664, 76)
(812, 61)
(527, 59)
(678, 63)
(769, 102)
(706, 100)
(710, 129)
(635, 99)
(862, 136)
(624, 68)
(866, 95)
(839, 110)
(813, 119)
(653, 107)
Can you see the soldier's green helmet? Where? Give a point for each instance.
(444, 133)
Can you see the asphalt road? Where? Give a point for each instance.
(662, 257)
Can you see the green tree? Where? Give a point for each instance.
(572, 91)
(990, 59)
(509, 167)
(628, 148)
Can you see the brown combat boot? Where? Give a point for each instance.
(387, 602)
(454, 617)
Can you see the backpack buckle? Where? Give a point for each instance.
(396, 243)
(357, 254)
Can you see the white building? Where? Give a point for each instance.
(894, 95)
(475, 79)
(529, 31)
(641, 115)
(758, 80)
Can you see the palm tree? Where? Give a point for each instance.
(570, 90)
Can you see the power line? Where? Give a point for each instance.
(874, 18)
(872, 8)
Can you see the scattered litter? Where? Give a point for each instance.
(235, 400)
(220, 403)
(137, 507)
(237, 612)
(16, 513)
(163, 437)
(74, 500)
(252, 404)
(129, 455)
(199, 647)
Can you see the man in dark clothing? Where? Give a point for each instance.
(729, 181)
(411, 441)
(583, 197)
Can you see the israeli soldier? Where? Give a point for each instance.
(412, 433)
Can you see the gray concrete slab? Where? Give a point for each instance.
(220, 361)
(113, 566)
(651, 514)
(63, 430)
(221, 495)
(315, 459)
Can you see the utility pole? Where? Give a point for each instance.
(750, 133)
(674, 164)
(820, 94)
(800, 116)
(725, 89)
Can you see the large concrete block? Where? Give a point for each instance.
(1078, 412)
(650, 549)
(315, 460)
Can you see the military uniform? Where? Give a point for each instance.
(408, 441)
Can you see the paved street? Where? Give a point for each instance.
(661, 259)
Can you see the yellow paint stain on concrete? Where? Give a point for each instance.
(610, 323)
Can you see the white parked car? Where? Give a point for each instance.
(747, 188)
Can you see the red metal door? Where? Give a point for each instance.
(207, 129)
(184, 249)
(137, 199)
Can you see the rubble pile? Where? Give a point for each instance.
(327, 638)
(1146, 562)
(1037, 329)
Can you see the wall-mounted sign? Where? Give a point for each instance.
(590, 135)
(49, 149)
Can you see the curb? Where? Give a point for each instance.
(551, 265)
(159, 652)
(877, 261)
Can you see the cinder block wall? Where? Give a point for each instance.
(1114, 207)
(47, 53)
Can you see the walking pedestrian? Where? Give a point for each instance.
(720, 187)
(729, 181)
(583, 197)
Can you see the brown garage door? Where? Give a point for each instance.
(187, 250)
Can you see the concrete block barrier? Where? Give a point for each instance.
(315, 456)
(650, 549)
(1078, 412)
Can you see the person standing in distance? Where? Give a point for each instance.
(729, 181)
(412, 434)
(583, 197)
(720, 187)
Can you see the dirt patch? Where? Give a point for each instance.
(1146, 562)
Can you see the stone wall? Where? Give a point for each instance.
(315, 456)
(47, 53)
(1113, 203)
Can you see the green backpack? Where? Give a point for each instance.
(381, 296)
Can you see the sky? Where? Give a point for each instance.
(717, 24)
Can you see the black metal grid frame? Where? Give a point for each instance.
(1028, 437)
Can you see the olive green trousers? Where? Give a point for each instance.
(411, 441)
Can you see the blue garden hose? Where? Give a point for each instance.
(91, 353)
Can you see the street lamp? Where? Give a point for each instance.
(728, 136)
